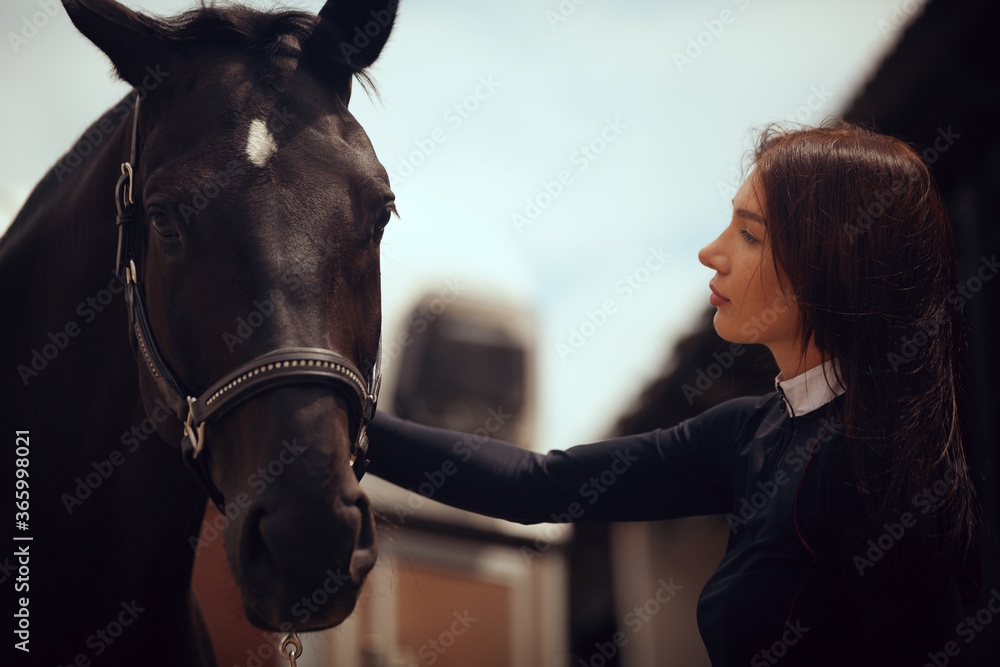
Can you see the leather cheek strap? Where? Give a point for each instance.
(146, 349)
(199, 468)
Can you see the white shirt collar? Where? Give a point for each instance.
(807, 391)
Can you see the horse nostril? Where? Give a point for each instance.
(255, 556)
(366, 547)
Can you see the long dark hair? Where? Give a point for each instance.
(858, 226)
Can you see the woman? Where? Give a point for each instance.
(854, 526)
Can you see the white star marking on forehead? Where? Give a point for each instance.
(260, 144)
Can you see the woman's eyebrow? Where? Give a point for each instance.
(749, 215)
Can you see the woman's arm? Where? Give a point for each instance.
(668, 473)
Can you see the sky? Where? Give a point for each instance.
(568, 158)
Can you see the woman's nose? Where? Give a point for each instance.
(713, 257)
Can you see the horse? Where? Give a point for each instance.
(244, 206)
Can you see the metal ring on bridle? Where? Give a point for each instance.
(290, 655)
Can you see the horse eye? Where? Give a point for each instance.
(383, 220)
(160, 221)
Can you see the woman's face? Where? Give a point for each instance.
(752, 306)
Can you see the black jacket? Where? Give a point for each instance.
(801, 582)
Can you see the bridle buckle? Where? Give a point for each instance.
(130, 274)
(127, 169)
(195, 434)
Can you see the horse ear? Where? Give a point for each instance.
(131, 40)
(364, 28)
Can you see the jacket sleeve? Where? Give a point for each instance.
(668, 473)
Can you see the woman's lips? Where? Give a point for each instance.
(717, 299)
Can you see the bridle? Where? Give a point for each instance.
(288, 365)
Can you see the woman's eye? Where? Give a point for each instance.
(747, 236)
(160, 221)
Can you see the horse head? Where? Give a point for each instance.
(260, 205)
